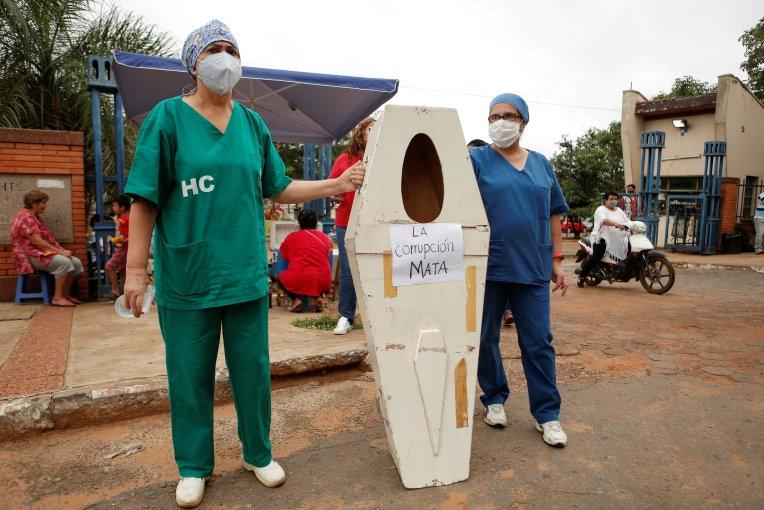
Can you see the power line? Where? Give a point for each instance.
(583, 107)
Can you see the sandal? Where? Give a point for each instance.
(296, 306)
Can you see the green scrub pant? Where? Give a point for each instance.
(191, 343)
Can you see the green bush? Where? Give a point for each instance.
(323, 323)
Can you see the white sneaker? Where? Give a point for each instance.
(553, 433)
(189, 492)
(343, 326)
(271, 475)
(495, 416)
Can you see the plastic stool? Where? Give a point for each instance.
(43, 294)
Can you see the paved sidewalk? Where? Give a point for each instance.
(74, 366)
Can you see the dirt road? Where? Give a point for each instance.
(661, 401)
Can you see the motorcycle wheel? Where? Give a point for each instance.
(592, 281)
(657, 277)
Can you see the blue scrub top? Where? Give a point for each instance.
(518, 205)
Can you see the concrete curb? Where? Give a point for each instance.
(93, 405)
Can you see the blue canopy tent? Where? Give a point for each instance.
(297, 107)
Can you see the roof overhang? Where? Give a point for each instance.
(672, 107)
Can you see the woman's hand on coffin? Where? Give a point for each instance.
(352, 178)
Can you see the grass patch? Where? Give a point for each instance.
(323, 323)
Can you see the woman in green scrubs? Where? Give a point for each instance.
(202, 166)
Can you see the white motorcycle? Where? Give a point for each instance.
(643, 262)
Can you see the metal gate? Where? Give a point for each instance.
(683, 222)
(692, 221)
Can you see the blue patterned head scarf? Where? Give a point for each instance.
(514, 100)
(202, 37)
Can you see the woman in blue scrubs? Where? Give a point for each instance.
(523, 201)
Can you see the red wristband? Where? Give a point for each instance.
(558, 256)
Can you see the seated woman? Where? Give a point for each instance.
(34, 247)
(307, 253)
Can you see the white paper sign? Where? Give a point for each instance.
(427, 253)
(51, 183)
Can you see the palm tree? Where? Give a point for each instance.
(44, 45)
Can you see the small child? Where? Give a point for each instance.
(118, 260)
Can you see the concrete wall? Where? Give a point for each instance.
(631, 127)
(740, 121)
(683, 155)
(48, 154)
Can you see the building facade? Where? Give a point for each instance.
(731, 114)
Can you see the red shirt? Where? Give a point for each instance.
(23, 225)
(307, 252)
(343, 162)
(123, 225)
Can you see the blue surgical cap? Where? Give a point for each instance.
(202, 37)
(514, 100)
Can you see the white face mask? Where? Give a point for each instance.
(612, 203)
(504, 132)
(219, 72)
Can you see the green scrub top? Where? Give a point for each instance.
(208, 186)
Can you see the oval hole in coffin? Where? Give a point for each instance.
(422, 180)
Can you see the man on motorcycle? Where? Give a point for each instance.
(608, 234)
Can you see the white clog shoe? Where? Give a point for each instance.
(271, 475)
(189, 492)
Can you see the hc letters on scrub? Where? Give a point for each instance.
(204, 184)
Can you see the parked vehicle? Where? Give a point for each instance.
(643, 262)
(574, 226)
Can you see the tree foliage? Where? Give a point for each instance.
(753, 42)
(44, 45)
(687, 86)
(292, 155)
(588, 166)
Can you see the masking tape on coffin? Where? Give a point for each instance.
(461, 398)
(471, 312)
(391, 291)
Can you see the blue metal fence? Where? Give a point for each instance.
(652, 144)
(101, 80)
(316, 165)
(713, 170)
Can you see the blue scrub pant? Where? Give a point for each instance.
(347, 302)
(530, 307)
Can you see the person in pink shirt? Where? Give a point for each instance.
(34, 247)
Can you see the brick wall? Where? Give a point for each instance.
(728, 214)
(35, 151)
